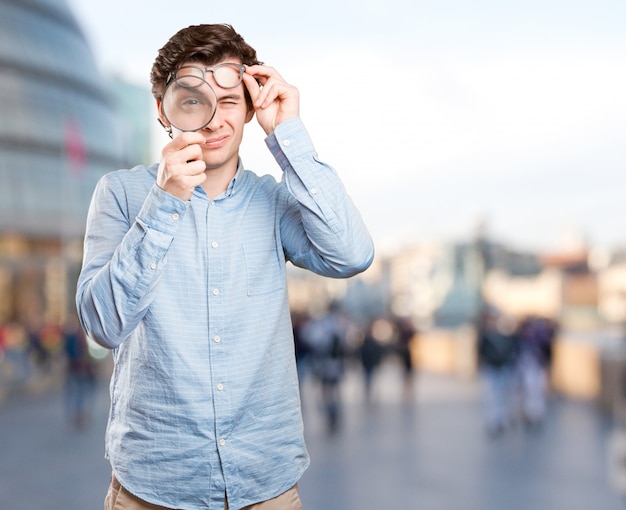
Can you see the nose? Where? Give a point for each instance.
(216, 122)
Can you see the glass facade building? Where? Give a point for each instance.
(59, 132)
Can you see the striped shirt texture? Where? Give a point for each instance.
(191, 296)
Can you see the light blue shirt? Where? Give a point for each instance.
(192, 298)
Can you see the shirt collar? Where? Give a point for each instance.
(230, 191)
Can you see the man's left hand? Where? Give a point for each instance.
(273, 98)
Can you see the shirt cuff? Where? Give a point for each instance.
(290, 141)
(162, 212)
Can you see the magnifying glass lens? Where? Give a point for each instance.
(189, 103)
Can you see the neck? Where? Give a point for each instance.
(217, 180)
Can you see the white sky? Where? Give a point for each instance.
(436, 114)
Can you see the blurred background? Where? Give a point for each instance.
(485, 145)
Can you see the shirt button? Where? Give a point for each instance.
(212, 202)
(313, 191)
(217, 339)
(222, 442)
(214, 244)
(286, 143)
(175, 216)
(153, 266)
(215, 292)
(220, 386)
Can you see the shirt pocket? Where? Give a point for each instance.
(265, 272)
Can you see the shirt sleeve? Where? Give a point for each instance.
(123, 259)
(321, 230)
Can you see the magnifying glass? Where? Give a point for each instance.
(189, 103)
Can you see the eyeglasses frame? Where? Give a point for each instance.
(240, 67)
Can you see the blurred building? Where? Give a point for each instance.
(137, 115)
(60, 132)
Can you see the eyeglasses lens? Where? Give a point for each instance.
(227, 76)
(190, 77)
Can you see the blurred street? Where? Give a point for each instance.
(426, 452)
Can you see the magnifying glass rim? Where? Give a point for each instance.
(163, 109)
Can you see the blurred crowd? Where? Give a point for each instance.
(39, 355)
(514, 358)
(330, 343)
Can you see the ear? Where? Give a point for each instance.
(249, 114)
(162, 120)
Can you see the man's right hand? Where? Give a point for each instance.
(182, 167)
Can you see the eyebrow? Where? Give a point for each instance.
(230, 96)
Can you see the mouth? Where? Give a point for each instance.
(213, 143)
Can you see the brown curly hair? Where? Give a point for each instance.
(206, 44)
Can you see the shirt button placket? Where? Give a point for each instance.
(215, 282)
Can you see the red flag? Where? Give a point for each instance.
(75, 149)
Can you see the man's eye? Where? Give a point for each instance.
(191, 101)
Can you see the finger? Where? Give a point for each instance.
(185, 139)
(275, 91)
(253, 86)
(183, 148)
(258, 93)
(257, 72)
(186, 161)
(264, 77)
(190, 154)
(263, 73)
(195, 167)
(267, 95)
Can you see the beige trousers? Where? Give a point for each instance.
(118, 498)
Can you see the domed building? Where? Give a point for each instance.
(59, 133)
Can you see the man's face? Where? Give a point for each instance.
(224, 132)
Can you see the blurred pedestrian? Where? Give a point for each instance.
(80, 374)
(39, 355)
(536, 337)
(406, 337)
(326, 336)
(17, 359)
(184, 276)
(371, 354)
(498, 351)
(302, 348)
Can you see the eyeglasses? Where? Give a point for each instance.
(226, 75)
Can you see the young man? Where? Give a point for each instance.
(184, 278)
